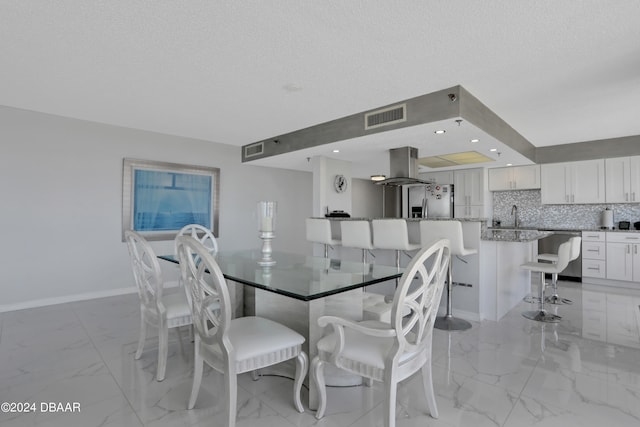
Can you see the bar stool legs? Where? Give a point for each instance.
(555, 298)
(448, 322)
(542, 315)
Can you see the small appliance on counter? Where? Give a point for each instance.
(624, 225)
(606, 219)
(337, 214)
(636, 225)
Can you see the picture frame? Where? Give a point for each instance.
(159, 198)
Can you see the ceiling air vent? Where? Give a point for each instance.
(385, 117)
(253, 150)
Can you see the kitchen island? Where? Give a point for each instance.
(487, 284)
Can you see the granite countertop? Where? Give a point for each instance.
(552, 229)
(520, 235)
(406, 219)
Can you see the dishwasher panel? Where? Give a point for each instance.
(550, 245)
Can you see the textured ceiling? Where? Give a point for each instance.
(235, 72)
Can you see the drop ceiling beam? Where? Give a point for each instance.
(451, 103)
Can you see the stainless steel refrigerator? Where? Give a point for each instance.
(430, 201)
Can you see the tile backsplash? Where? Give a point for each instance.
(533, 213)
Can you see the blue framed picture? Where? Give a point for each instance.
(160, 198)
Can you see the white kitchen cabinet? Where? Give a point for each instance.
(469, 187)
(594, 254)
(468, 211)
(623, 256)
(573, 183)
(441, 177)
(514, 178)
(622, 180)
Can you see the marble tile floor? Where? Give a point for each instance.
(511, 373)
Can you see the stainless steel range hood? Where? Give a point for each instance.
(403, 169)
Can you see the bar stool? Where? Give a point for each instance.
(431, 231)
(357, 234)
(575, 252)
(319, 231)
(392, 234)
(564, 254)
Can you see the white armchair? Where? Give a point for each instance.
(385, 352)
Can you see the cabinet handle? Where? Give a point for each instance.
(631, 238)
(594, 268)
(633, 196)
(626, 197)
(635, 249)
(566, 198)
(628, 249)
(594, 250)
(573, 198)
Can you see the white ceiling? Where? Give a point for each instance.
(235, 72)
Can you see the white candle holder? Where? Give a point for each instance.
(266, 228)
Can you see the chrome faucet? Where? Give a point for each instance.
(514, 212)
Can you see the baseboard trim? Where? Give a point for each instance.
(65, 299)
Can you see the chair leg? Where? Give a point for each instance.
(163, 349)
(427, 381)
(317, 368)
(448, 322)
(142, 337)
(302, 363)
(541, 315)
(231, 380)
(198, 365)
(389, 404)
(555, 298)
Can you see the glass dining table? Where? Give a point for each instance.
(297, 290)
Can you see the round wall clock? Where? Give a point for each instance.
(340, 183)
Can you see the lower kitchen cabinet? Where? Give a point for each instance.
(623, 256)
(594, 254)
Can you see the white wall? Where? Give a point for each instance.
(61, 189)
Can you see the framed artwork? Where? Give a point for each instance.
(159, 198)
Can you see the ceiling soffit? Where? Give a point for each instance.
(454, 102)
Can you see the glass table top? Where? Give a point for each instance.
(299, 276)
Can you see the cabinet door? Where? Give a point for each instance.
(587, 182)
(553, 184)
(636, 263)
(634, 179)
(443, 177)
(526, 177)
(619, 261)
(501, 179)
(475, 185)
(618, 177)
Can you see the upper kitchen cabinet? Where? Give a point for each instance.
(573, 183)
(623, 180)
(468, 193)
(443, 177)
(514, 178)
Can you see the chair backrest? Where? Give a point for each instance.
(390, 234)
(206, 290)
(564, 256)
(318, 230)
(431, 231)
(576, 243)
(201, 234)
(356, 234)
(419, 293)
(146, 270)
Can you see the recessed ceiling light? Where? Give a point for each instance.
(493, 149)
(336, 151)
(509, 164)
(440, 132)
(475, 140)
(378, 177)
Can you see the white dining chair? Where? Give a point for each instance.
(231, 346)
(385, 352)
(202, 234)
(156, 309)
